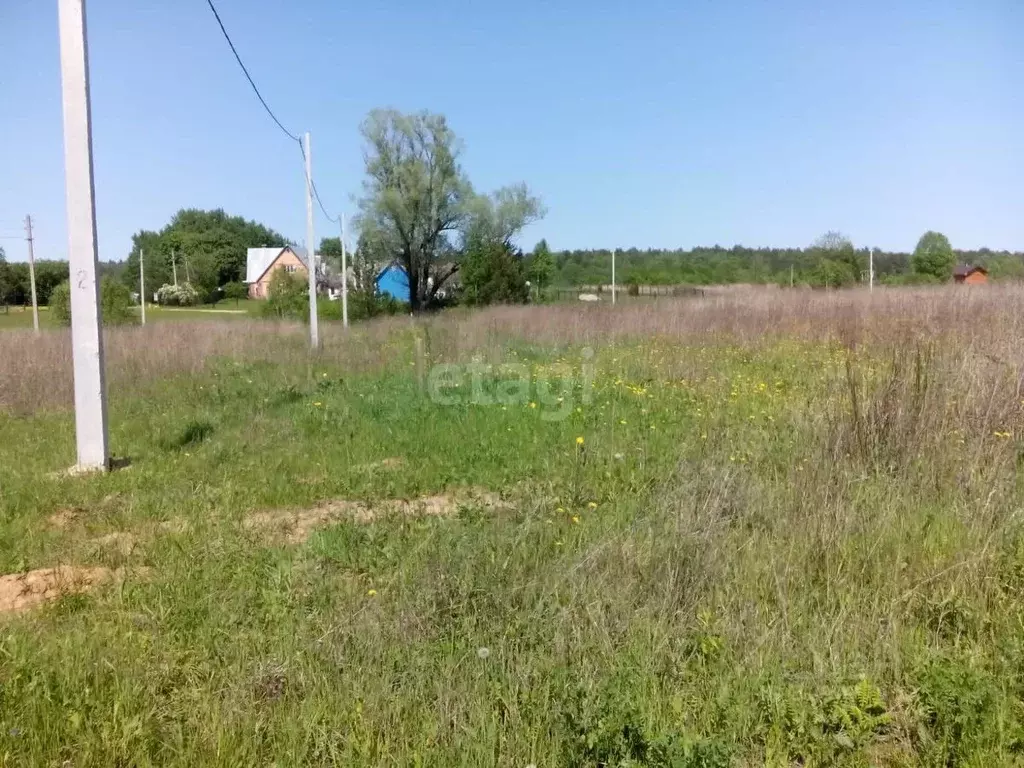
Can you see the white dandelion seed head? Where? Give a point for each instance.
(483, 652)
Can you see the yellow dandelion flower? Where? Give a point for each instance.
(575, 518)
(579, 440)
(592, 505)
(371, 592)
(318, 404)
(533, 405)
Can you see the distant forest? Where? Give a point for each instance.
(718, 265)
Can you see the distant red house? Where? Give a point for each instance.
(970, 275)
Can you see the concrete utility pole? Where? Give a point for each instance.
(142, 283)
(871, 269)
(344, 276)
(174, 267)
(790, 275)
(314, 330)
(613, 276)
(86, 335)
(32, 273)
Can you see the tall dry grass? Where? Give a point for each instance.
(35, 371)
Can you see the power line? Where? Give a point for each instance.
(289, 134)
(248, 77)
(316, 194)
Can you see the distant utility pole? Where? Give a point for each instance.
(314, 330)
(86, 336)
(344, 276)
(142, 283)
(174, 267)
(32, 273)
(871, 269)
(790, 275)
(613, 276)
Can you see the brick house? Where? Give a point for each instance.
(970, 275)
(260, 264)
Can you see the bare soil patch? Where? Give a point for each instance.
(297, 525)
(119, 541)
(20, 591)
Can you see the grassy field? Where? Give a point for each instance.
(21, 317)
(778, 529)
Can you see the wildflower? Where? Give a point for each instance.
(483, 652)
(533, 405)
(559, 510)
(558, 543)
(575, 518)
(317, 403)
(324, 375)
(592, 505)
(579, 440)
(618, 457)
(371, 592)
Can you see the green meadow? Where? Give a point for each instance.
(762, 530)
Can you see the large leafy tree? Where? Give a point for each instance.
(838, 262)
(208, 248)
(933, 256)
(418, 206)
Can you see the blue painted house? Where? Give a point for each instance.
(393, 281)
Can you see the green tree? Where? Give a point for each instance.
(236, 290)
(492, 273)
(418, 206)
(6, 280)
(115, 303)
(541, 266)
(288, 296)
(838, 262)
(208, 248)
(933, 256)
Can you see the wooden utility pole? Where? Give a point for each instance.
(32, 273)
(344, 276)
(314, 330)
(86, 335)
(790, 275)
(142, 283)
(871, 269)
(174, 267)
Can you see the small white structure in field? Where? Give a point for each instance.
(589, 297)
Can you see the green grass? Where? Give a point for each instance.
(758, 555)
(21, 317)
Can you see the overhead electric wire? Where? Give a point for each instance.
(289, 134)
(248, 77)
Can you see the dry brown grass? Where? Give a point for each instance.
(36, 371)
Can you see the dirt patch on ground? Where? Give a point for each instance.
(20, 591)
(63, 519)
(174, 525)
(392, 462)
(296, 525)
(119, 541)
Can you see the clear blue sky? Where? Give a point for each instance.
(673, 124)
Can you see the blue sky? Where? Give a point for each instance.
(655, 124)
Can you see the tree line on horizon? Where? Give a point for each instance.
(814, 266)
(420, 210)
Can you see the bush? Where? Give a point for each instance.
(236, 291)
(288, 297)
(60, 303)
(183, 295)
(115, 303)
